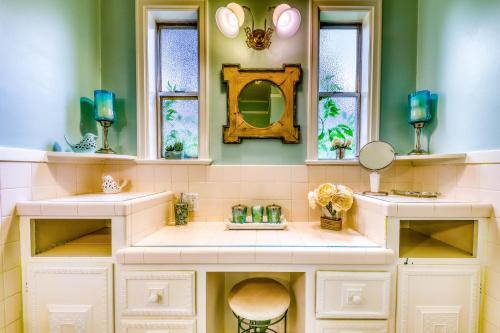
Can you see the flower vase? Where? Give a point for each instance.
(340, 153)
(331, 221)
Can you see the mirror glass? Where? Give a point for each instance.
(376, 155)
(261, 103)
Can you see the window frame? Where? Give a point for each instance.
(359, 70)
(162, 95)
(368, 13)
(149, 14)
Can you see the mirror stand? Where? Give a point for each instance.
(375, 185)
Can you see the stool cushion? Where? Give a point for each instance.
(259, 299)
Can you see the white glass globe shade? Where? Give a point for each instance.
(278, 11)
(227, 22)
(238, 11)
(288, 23)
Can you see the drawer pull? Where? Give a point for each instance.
(356, 300)
(155, 296)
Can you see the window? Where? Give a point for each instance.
(345, 70)
(339, 97)
(171, 79)
(178, 84)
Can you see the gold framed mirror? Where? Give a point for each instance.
(261, 103)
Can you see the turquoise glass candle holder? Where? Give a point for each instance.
(419, 105)
(419, 113)
(104, 113)
(104, 106)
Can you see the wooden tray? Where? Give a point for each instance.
(256, 226)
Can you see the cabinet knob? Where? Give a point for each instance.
(154, 298)
(356, 299)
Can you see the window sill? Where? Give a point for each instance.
(176, 162)
(332, 162)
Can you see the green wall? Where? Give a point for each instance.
(66, 57)
(459, 53)
(50, 56)
(398, 76)
(399, 61)
(225, 50)
(118, 70)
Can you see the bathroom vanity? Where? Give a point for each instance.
(111, 263)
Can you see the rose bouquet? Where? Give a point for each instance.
(333, 199)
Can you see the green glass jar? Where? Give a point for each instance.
(181, 213)
(239, 214)
(273, 213)
(257, 214)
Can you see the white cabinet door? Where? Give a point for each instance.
(68, 297)
(351, 326)
(435, 299)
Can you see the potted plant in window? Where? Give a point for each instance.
(174, 151)
(178, 150)
(340, 147)
(169, 151)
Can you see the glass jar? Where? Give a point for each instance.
(181, 213)
(257, 214)
(239, 213)
(273, 213)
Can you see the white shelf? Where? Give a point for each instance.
(431, 157)
(333, 162)
(67, 157)
(176, 162)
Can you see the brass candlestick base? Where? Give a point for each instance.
(106, 149)
(418, 148)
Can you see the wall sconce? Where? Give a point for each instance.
(286, 22)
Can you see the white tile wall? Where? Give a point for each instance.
(475, 183)
(222, 186)
(24, 181)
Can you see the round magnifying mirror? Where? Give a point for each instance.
(261, 103)
(375, 156)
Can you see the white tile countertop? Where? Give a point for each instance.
(401, 206)
(211, 243)
(95, 204)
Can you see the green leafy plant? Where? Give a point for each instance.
(178, 146)
(169, 148)
(328, 134)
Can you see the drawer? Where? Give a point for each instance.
(352, 295)
(354, 326)
(156, 293)
(159, 326)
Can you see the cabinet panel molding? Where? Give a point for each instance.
(354, 326)
(159, 326)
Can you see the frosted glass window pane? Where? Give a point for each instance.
(179, 59)
(180, 123)
(337, 118)
(338, 57)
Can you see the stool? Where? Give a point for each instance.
(258, 303)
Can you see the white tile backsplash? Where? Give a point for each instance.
(220, 187)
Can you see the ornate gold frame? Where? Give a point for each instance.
(286, 79)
